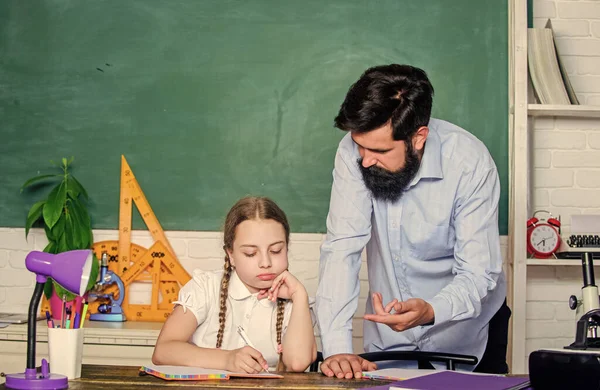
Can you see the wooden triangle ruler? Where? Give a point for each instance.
(157, 265)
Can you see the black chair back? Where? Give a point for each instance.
(424, 359)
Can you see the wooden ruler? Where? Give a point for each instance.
(131, 193)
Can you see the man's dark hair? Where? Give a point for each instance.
(401, 93)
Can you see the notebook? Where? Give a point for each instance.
(396, 374)
(453, 380)
(183, 373)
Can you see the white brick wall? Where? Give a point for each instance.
(565, 177)
(194, 249)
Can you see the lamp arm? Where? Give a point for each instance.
(31, 322)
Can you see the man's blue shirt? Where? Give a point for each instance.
(438, 242)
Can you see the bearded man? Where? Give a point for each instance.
(421, 195)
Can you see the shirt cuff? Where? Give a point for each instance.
(442, 309)
(341, 342)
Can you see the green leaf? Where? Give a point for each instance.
(85, 217)
(93, 274)
(62, 244)
(35, 212)
(70, 233)
(55, 204)
(59, 229)
(61, 291)
(49, 234)
(51, 247)
(64, 161)
(36, 179)
(71, 160)
(48, 288)
(79, 227)
(81, 189)
(73, 187)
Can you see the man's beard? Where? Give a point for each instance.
(389, 186)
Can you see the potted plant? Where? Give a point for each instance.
(66, 221)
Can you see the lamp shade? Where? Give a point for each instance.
(70, 269)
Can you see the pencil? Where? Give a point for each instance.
(83, 313)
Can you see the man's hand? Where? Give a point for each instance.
(346, 365)
(407, 314)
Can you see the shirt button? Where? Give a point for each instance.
(247, 316)
(396, 257)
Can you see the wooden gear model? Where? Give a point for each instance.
(157, 265)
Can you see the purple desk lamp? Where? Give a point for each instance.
(71, 270)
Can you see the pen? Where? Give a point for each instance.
(244, 337)
(64, 311)
(68, 323)
(76, 321)
(49, 319)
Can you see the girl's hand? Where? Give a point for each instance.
(246, 359)
(286, 286)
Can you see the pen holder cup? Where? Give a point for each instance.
(65, 348)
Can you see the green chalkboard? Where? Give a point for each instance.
(213, 100)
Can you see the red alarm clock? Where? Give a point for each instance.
(543, 236)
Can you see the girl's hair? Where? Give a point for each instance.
(249, 208)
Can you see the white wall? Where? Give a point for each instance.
(193, 249)
(566, 167)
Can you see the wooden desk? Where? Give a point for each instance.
(98, 377)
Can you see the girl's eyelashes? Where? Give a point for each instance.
(272, 251)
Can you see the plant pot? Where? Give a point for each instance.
(56, 306)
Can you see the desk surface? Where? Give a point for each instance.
(96, 377)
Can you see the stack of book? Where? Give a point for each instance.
(548, 74)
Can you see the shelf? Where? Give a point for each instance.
(96, 332)
(576, 262)
(563, 110)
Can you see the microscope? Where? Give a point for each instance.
(577, 366)
(587, 309)
(112, 311)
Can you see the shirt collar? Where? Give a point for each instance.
(238, 291)
(431, 163)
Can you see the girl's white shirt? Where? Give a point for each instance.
(201, 296)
